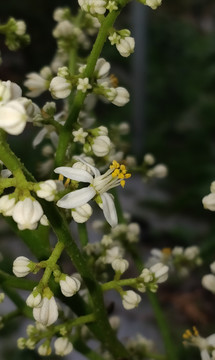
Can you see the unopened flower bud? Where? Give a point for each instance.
(63, 346)
(146, 275)
(47, 313)
(120, 265)
(47, 190)
(69, 285)
(208, 282)
(122, 97)
(102, 68)
(126, 46)
(34, 299)
(159, 171)
(60, 88)
(7, 204)
(130, 300)
(13, 117)
(149, 159)
(44, 349)
(27, 213)
(152, 3)
(21, 343)
(160, 272)
(209, 202)
(21, 266)
(82, 213)
(101, 145)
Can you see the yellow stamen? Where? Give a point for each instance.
(166, 251)
(67, 182)
(195, 331)
(120, 172)
(114, 81)
(122, 183)
(60, 177)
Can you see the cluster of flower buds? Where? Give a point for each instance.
(206, 346)
(139, 346)
(62, 345)
(151, 3)
(123, 41)
(180, 260)
(15, 34)
(208, 281)
(155, 171)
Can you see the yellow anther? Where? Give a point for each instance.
(122, 167)
(67, 182)
(114, 81)
(195, 331)
(127, 176)
(187, 334)
(115, 173)
(60, 177)
(121, 176)
(166, 251)
(122, 183)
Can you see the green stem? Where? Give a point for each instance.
(83, 236)
(119, 283)
(80, 96)
(13, 281)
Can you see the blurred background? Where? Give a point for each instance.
(171, 78)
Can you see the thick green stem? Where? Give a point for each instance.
(83, 236)
(80, 96)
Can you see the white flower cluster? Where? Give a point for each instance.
(15, 110)
(208, 281)
(37, 83)
(94, 7)
(180, 260)
(124, 42)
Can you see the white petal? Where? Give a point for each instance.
(109, 209)
(39, 137)
(74, 174)
(77, 198)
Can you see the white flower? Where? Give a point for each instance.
(149, 159)
(27, 213)
(58, 14)
(44, 349)
(21, 266)
(126, 46)
(47, 312)
(38, 83)
(101, 145)
(47, 190)
(130, 300)
(20, 27)
(9, 91)
(82, 213)
(208, 282)
(153, 3)
(191, 252)
(112, 254)
(102, 68)
(159, 171)
(209, 202)
(79, 135)
(160, 272)
(146, 275)
(114, 38)
(122, 97)
(63, 346)
(99, 185)
(13, 117)
(60, 88)
(93, 6)
(64, 29)
(7, 205)
(120, 265)
(69, 285)
(34, 300)
(83, 84)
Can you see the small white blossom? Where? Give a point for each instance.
(83, 84)
(21, 266)
(160, 272)
(34, 300)
(9, 91)
(158, 171)
(191, 252)
(101, 145)
(122, 97)
(69, 285)
(63, 346)
(130, 300)
(20, 27)
(208, 282)
(93, 6)
(111, 6)
(82, 213)
(146, 275)
(79, 135)
(114, 38)
(152, 3)
(112, 254)
(63, 29)
(47, 190)
(212, 267)
(102, 68)
(13, 117)
(60, 88)
(38, 83)
(149, 159)
(27, 213)
(126, 46)
(7, 204)
(44, 349)
(47, 313)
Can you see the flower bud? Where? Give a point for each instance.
(159, 171)
(82, 213)
(7, 205)
(69, 285)
(102, 68)
(34, 299)
(122, 97)
(208, 282)
(209, 202)
(120, 265)
(152, 3)
(63, 346)
(130, 300)
(60, 88)
(47, 190)
(21, 266)
(21, 343)
(191, 252)
(44, 349)
(13, 117)
(160, 272)
(112, 254)
(47, 313)
(101, 145)
(126, 46)
(149, 159)
(20, 27)
(146, 275)
(27, 213)
(2, 297)
(212, 267)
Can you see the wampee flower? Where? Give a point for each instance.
(99, 185)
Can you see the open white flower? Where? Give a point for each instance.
(13, 117)
(99, 185)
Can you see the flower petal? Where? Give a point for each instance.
(109, 209)
(77, 198)
(95, 171)
(74, 174)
